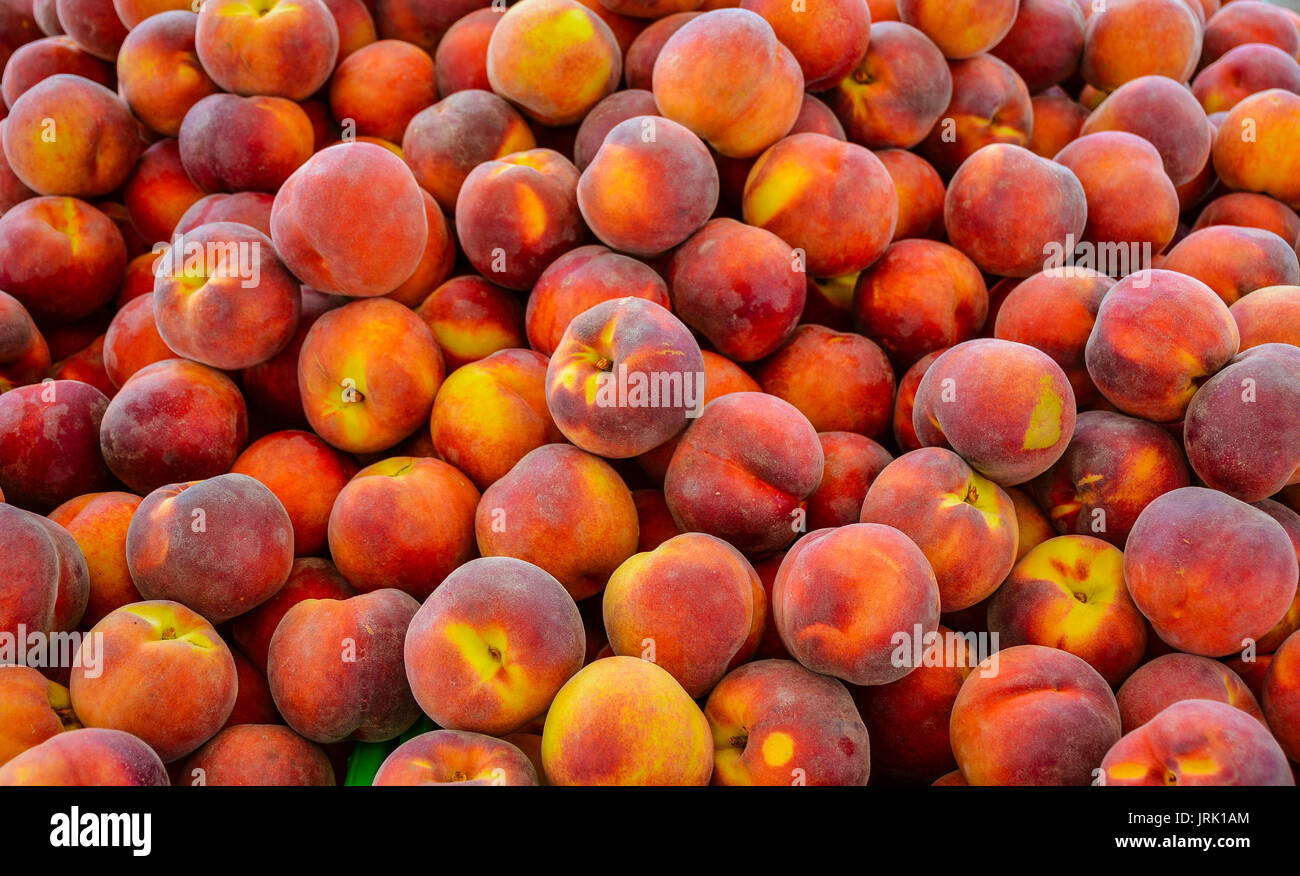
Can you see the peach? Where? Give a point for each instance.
(368, 373)
(570, 44)
(87, 366)
(744, 471)
(654, 520)
(34, 709)
(533, 514)
(491, 647)
(1113, 467)
(920, 192)
(1197, 742)
(1045, 42)
(1206, 596)
(418, 22)
(827, 40)
(656, 602)
(380, 87)
(96, 139)
(403, 523)
(1173, 678)
(843, 596)
(831, 200)
(1005, 407)
(247, 208)
(921, 296)
(990, 104)
(1051, 209)
(1249, 21)
(174, 421)
(471, 319)
(160, 191)
(33, 563)
(247, 50)
(961, 29)
(1270, 315)
(650, 186)
(727, 77)
(335, 667)
(1251, 210)
(1014, 711)
(132, 340)
(625, 721)
(305, 474)
(897, 92)
(1281, 696)
(232, 143)
(310, 578)
(49, 443)
(435, 264)
(579, 280)
(94, 24)
(1129, 39)
(1241, 72)
(36, 60)
(1242, 429)
(87, 757)
(447, 140)
(12, 190)
(355, 23)
(604, 116)
(776, 723)
(1158, 310)
(860, 399)
(60, 257)
(741, 287)
(258, 754)
(331, 254)
(1251, 151)
(456, 757)
(853, 462)
(165, 676)
(1165, 114)
(159, 75)
(460, 62)
(639, 57)
(98, 522)
(517, 214)
(1235, 261)
(1058, 118)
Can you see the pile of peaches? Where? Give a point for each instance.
(660, 392)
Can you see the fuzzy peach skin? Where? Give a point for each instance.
(1015, 712)
(310, 578)
(460, 61)
(1208, 595)
(843, 596)
(326, 250)
(36, 60)
(604, 116)
(24, 353)
(437, 262)
(626, 721)
(159, 74)
(1235, 261)
(61, 258)
(1249, 22)
(908, 718)
(306, 476)
(1267, 316)
(687, 605)
(1290, 622)
(897, 92)
(1069, 593)
(963, 523)
(827, 40)
(1050, 205)
(580, 279)
(1004, 407)
(1058, 119)
(471, 319)
(831, 200)
(32, 710)
(1158, 335)
(381, 86)
(132, 340)
(1112, 468)
(776, 723)
(249, 208)
(564, 510)
(1261, 162)
(283, 48)
(1172, 678)
(1281, 696)
(491, 647)
(95, 146)
(651, 185)
(963, 28)
(1197, 742)
(368, 373)
(853, 462)
(1252, 210)
(260, 755)
(920, 192)
(626, 376)
(159, 191)
(990, 104)
(1128, 39)
(335, 667)
(403, 523)
(1243, 71)
(72, 587)
(87, 757)
(639, 57)
(1165, 114)
(744, 471)
(727, 77)
(456, 757)
(517, 214)
(219, 546)
(743, 288)
(164, 676)
(489, 414)
(921, 296)
(173, 421)
(49, 443)
(1045, 42)
(33, 566)
(99, 522)
(232, 143)
(1242, 430)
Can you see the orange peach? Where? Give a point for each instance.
(1267, 316)
(456, 757)
(132, 340)
(460, 62)
(853, 462)
(1241, 72)
(990, 104)
(1058, 118)
(1173, 678)
(639, 57)
(248, 50)
(920, 192)
(94, 24)
(961, 29)
(1281, 695)
(159, 75)
(604, 116)
(1128, 39)
(160, 191)
(1235, 261)
(258, 754)
(1250, 150)
(828, 39)
(380, 87)
(1249, 22)
(32, 710)
(471, 319)
(310, 578)
(1252, 210)
(1045, 42)
(87, 757)
(37, 60)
